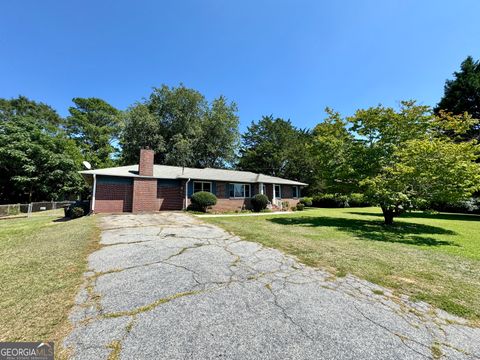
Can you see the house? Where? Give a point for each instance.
(149, 187)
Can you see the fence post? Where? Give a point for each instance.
(29, 210)
(54, 205)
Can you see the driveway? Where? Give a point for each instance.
(168, 286)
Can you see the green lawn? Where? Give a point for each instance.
(42, 260)
(435, 258)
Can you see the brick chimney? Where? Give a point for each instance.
(145, 168)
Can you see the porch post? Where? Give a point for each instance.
(261, 188)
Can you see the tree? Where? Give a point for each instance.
(273, 146)
(425, 171)
(331, 149)
(462, 94)
(183, 128)
(406, 160)
(37, 160)
(94, 125)
(141, 130)
(380, 130)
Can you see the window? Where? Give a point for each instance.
(278, 192)
(295, 191)
(264, 188)
(202, 186)
(239, 190)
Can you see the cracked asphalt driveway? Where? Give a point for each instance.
(167, 286)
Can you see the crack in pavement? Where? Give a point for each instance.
(220, 263)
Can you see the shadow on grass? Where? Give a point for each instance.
(400, 232)
(425, 215)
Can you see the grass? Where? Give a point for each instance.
(431, 257)
(42, 260)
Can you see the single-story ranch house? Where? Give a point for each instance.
(149, 187)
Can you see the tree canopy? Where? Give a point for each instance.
(273, 146)
(415, 161)
(37, 160)
(94, 125)
(183, 128)
(462, 94)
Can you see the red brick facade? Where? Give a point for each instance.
(145, 168)
(149, 195)
(170, 197)
(113, 198)
(144, 195)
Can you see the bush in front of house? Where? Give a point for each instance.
(300, 206)
(259, 202)
(76, 212)
(202, 200)
(307, 201)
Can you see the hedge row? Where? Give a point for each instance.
(339, 201)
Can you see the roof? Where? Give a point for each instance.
(177, 172)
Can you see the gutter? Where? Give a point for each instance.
(186, 194)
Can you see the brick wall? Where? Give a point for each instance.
(170, 195)
(113, 198)
(231, 204)
(145, 195)
(145, 168)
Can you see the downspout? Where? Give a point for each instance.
(186, 194)
(94, 191)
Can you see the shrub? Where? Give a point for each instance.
(285, 205)
(470, 206)
(357, 200)
(76, 212)
(326, 201)
(202, 200)
(300, 207)
(84, 204)
(259, 202)
(338, 200)
(307, 201)
(293, 208)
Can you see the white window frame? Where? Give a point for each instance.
(264, 188)
(279, 191)
(240, 197)
(202, 182)
(296, 193)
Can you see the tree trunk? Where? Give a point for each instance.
(388, 215)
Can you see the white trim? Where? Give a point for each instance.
(279, 191)
(261, 187)
(202, 182)
(186, 194)
(94, 192)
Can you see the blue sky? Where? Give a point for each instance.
(286, 58)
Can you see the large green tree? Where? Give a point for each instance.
(424, 171)
(94, 125)
(183, 128)
(273, 146)
(37, 160)
(409, 158)
(462, 94)
(331, 151)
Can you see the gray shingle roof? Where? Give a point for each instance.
(177, 172)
